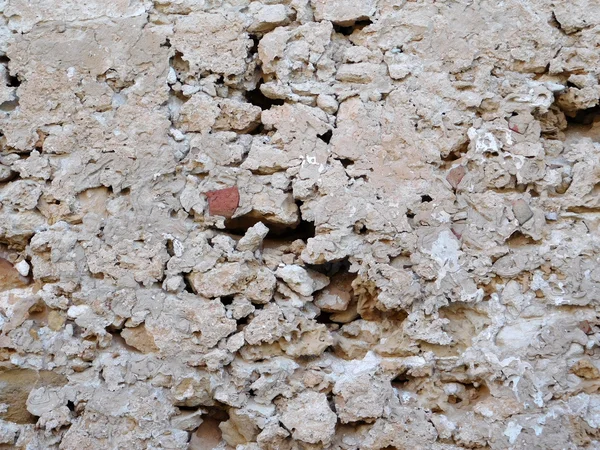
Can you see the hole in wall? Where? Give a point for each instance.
(255, 41)
(227, 299)
(188, 285)
(257, 98)
(331, 268)
(346, 162)
(303, 229)
(587, 116)
(348, 30)
(208, 434)
(326, 137)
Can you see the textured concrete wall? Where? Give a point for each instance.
(302, 224)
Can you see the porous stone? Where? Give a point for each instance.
(299, 224)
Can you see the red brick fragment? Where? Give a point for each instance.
(585, 327)
(456, 175)
(223, 202)
(458, 229)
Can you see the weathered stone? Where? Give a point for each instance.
(522, 211)
(139, 338)
(309, 418)
(301, 280)
(253, 238)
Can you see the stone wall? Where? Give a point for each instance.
(299, 224)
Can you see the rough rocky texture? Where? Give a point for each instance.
(299, 224)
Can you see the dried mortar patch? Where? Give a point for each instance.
(299, 224)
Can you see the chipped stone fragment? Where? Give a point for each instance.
(252, 240)
(139, 338)
(266, 326)
(522, 211)
(268, 17)
(303, 281)
(343, 12)
(337, 295)
(309, 418)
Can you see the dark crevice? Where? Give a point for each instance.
(331, 402)
(258, 130)
(401, 380)
(13, 81)
(188, 285)
(555, 23)
(239, 225)
(181, 66)
(360, 228)
(348, 30)
(303, 229)
(426, 198)
(166, 44)
(255, 40)
(346, 162)
(257, 98)
(324, 318)
(585, 116)
(242, 322)
(188, 408)
(332, 267)
(170, 249)
(326, 137)
(227, 299)
(209, 432)
(290, 431)
(454, 155)
(111, 78)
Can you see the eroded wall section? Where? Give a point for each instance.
(302, 224)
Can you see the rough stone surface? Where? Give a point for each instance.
(299, 224)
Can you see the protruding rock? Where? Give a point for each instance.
(522, 211)
(139, 338)
(303, 281)
(336, 296)
(309, 418)
(343, 12)
(253, 238)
